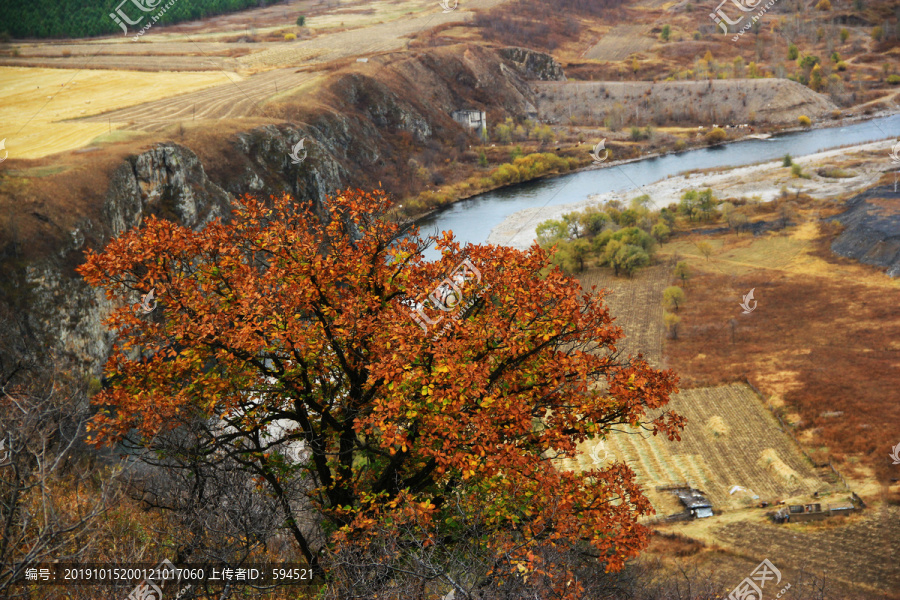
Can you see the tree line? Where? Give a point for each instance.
(82, 18)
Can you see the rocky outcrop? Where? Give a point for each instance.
(872, 229)
(533, 65)
(170, 182)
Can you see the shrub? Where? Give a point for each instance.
(808, 61)
(877, 33)
(841, 66)
(705, 249)
(666, 32)
(551, 232)
(804, 120)
(787, 161)
(672, 320)
(893, 79)
(823, 5)
(845, 34)
(797, 171)
(793, 52)
(680, 145)
(505, 174)
(660, 231)
(716, 136)
(503, 133)
(682, 271)
(301, 21)
(289, 37)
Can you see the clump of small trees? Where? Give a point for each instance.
(624, 239)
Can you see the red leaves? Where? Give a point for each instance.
(281, 312)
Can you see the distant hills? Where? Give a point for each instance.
(86, 18)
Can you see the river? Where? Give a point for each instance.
(472, 220)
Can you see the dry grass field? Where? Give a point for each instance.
(36, 104)
(861, 550)
(666, 102)
(848, 558)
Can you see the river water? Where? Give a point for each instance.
(471, 220)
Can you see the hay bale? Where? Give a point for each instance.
(771, 462)
(717, 426)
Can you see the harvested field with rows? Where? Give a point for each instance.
(731, 439)
(636, 304)
(242, 97)
(43, 99)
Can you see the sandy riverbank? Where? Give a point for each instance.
(765, 180)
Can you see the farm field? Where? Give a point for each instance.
(731, 439)
(636, 304)
(66, 107)
(376, 38)
(240, 98)
(36, 103)
(856, 556)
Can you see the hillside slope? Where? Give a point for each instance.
(736, 101)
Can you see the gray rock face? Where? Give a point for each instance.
(533, 65)
(170, 182)
(872, 234)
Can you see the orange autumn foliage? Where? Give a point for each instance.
(283, 314)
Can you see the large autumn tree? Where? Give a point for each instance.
(288, 334)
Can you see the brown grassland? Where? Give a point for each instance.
(821, 346)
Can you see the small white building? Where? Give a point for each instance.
(474, 119)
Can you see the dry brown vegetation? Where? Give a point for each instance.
(821, 345)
